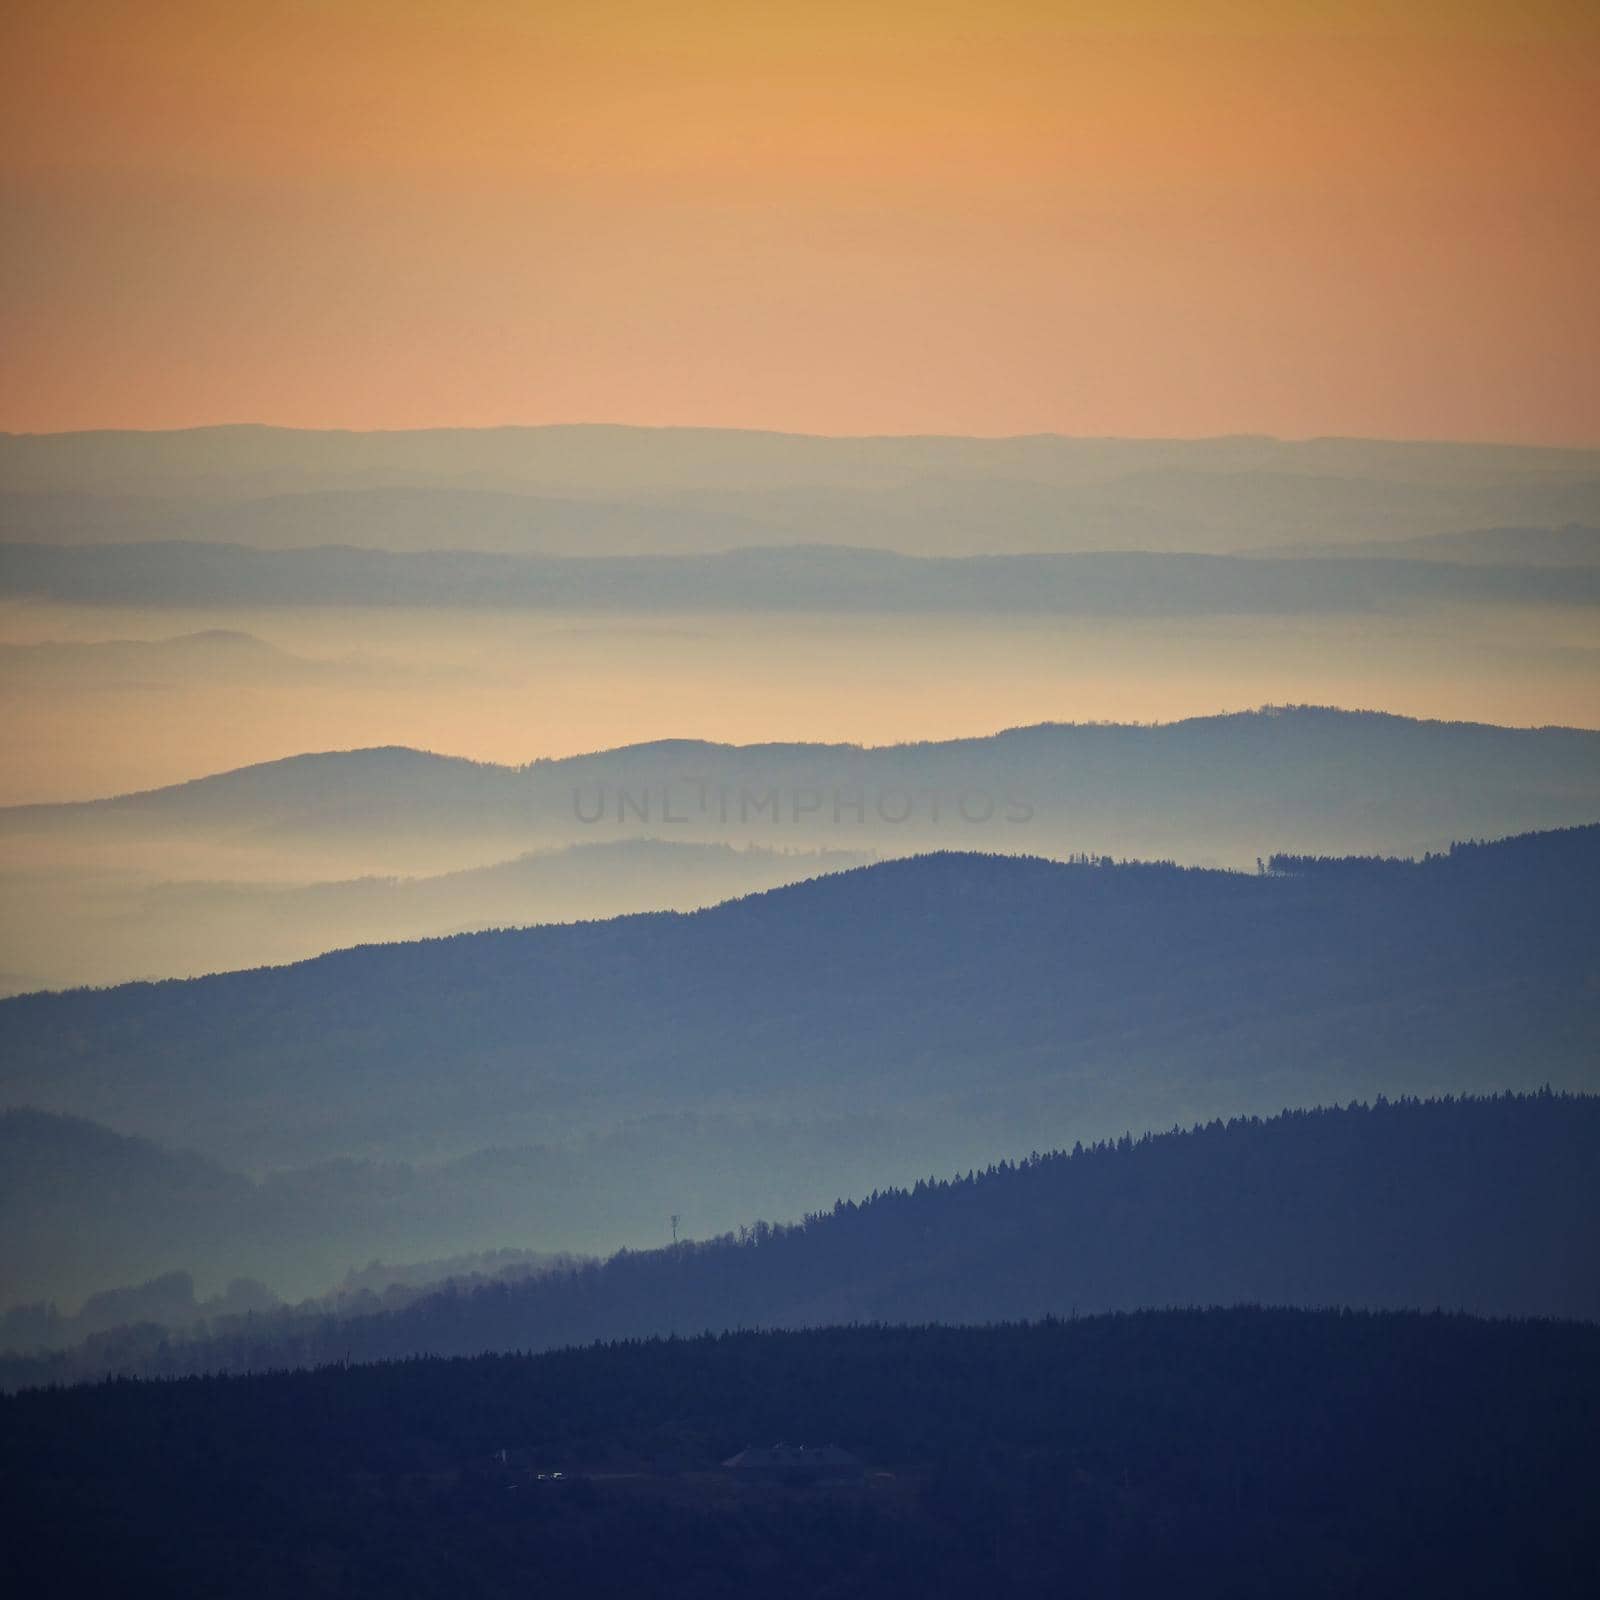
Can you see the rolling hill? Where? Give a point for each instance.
(974, 1002)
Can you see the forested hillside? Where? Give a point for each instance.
(980, 1004)
(1488, 1206)
(1238, 1453)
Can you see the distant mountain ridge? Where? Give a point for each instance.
(827, 578)
(219, 653)
(1571, 546)
(614, 490)
(1229, 787)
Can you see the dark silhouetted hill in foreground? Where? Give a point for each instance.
(1223, 1453)
(1488, 1205)
(979, 1004)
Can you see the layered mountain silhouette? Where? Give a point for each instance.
(91, 1220)
(1229, 788)
(219, 653)
(300, 1227)
(613, 490)
(82, 927)
(1491, 1206)
(791, 578)
(971, 1002)
(1571, 546)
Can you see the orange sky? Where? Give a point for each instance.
(1150, 217)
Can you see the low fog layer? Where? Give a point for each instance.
(87, 925)
(314, 691)
(1502, 1216)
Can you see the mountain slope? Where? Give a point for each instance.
(994, 996)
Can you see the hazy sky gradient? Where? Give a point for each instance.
(1147, 218)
